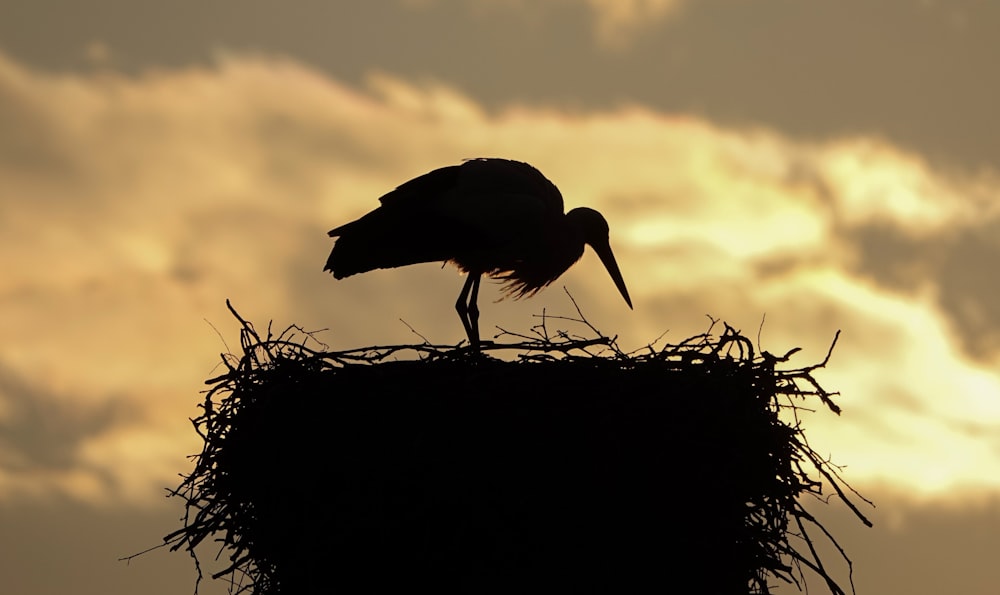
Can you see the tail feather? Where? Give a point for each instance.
(386, 239)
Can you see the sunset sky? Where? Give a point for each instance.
(824, 165)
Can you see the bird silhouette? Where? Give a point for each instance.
(492, 217)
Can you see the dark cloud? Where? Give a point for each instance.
(42, 431)
(68, 547)
(29, 142)
(970, 285)
(918, 73)
(960, 265)
(917, 548)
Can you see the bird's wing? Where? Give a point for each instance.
(412, 193)
(424, 187)
(476, 177)
(505, 176)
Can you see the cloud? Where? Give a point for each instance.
(56, 446)
(132, 206)
(615, 23)
(88, 541)
(617, 20)
(42, 431)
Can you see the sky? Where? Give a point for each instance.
(791, 168)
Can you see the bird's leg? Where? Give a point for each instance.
(462, 307)
(474, 311)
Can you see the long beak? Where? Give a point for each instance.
(608, 258)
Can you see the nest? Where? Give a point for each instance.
(573, 467)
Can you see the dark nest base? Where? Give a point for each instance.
(574, 469)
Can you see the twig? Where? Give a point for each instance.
(414, 331)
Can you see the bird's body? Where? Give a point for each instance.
(492, 217)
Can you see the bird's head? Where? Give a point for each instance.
(594, 230)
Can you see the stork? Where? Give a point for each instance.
(493, 217)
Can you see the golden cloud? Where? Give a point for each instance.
(132, 206)
(618, 20)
